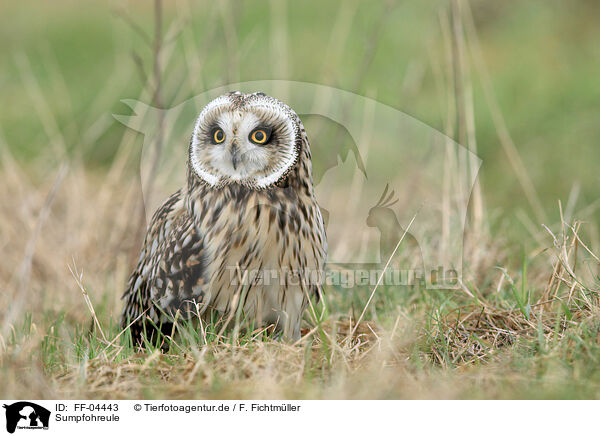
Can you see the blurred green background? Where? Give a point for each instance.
(66, 65)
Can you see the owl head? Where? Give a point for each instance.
(248, 139)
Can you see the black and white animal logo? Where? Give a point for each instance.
(26, 415)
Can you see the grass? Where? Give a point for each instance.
(525, 322)
(529, 330)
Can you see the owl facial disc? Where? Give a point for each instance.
(248, 139)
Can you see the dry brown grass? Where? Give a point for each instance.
(425, 349)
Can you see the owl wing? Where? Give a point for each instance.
(170, 273)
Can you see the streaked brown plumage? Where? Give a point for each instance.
(248, 208)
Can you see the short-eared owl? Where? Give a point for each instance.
(247, 224)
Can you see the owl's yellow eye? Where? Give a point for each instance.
(218, 136)
(260, 135)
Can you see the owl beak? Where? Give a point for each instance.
(235, 158)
